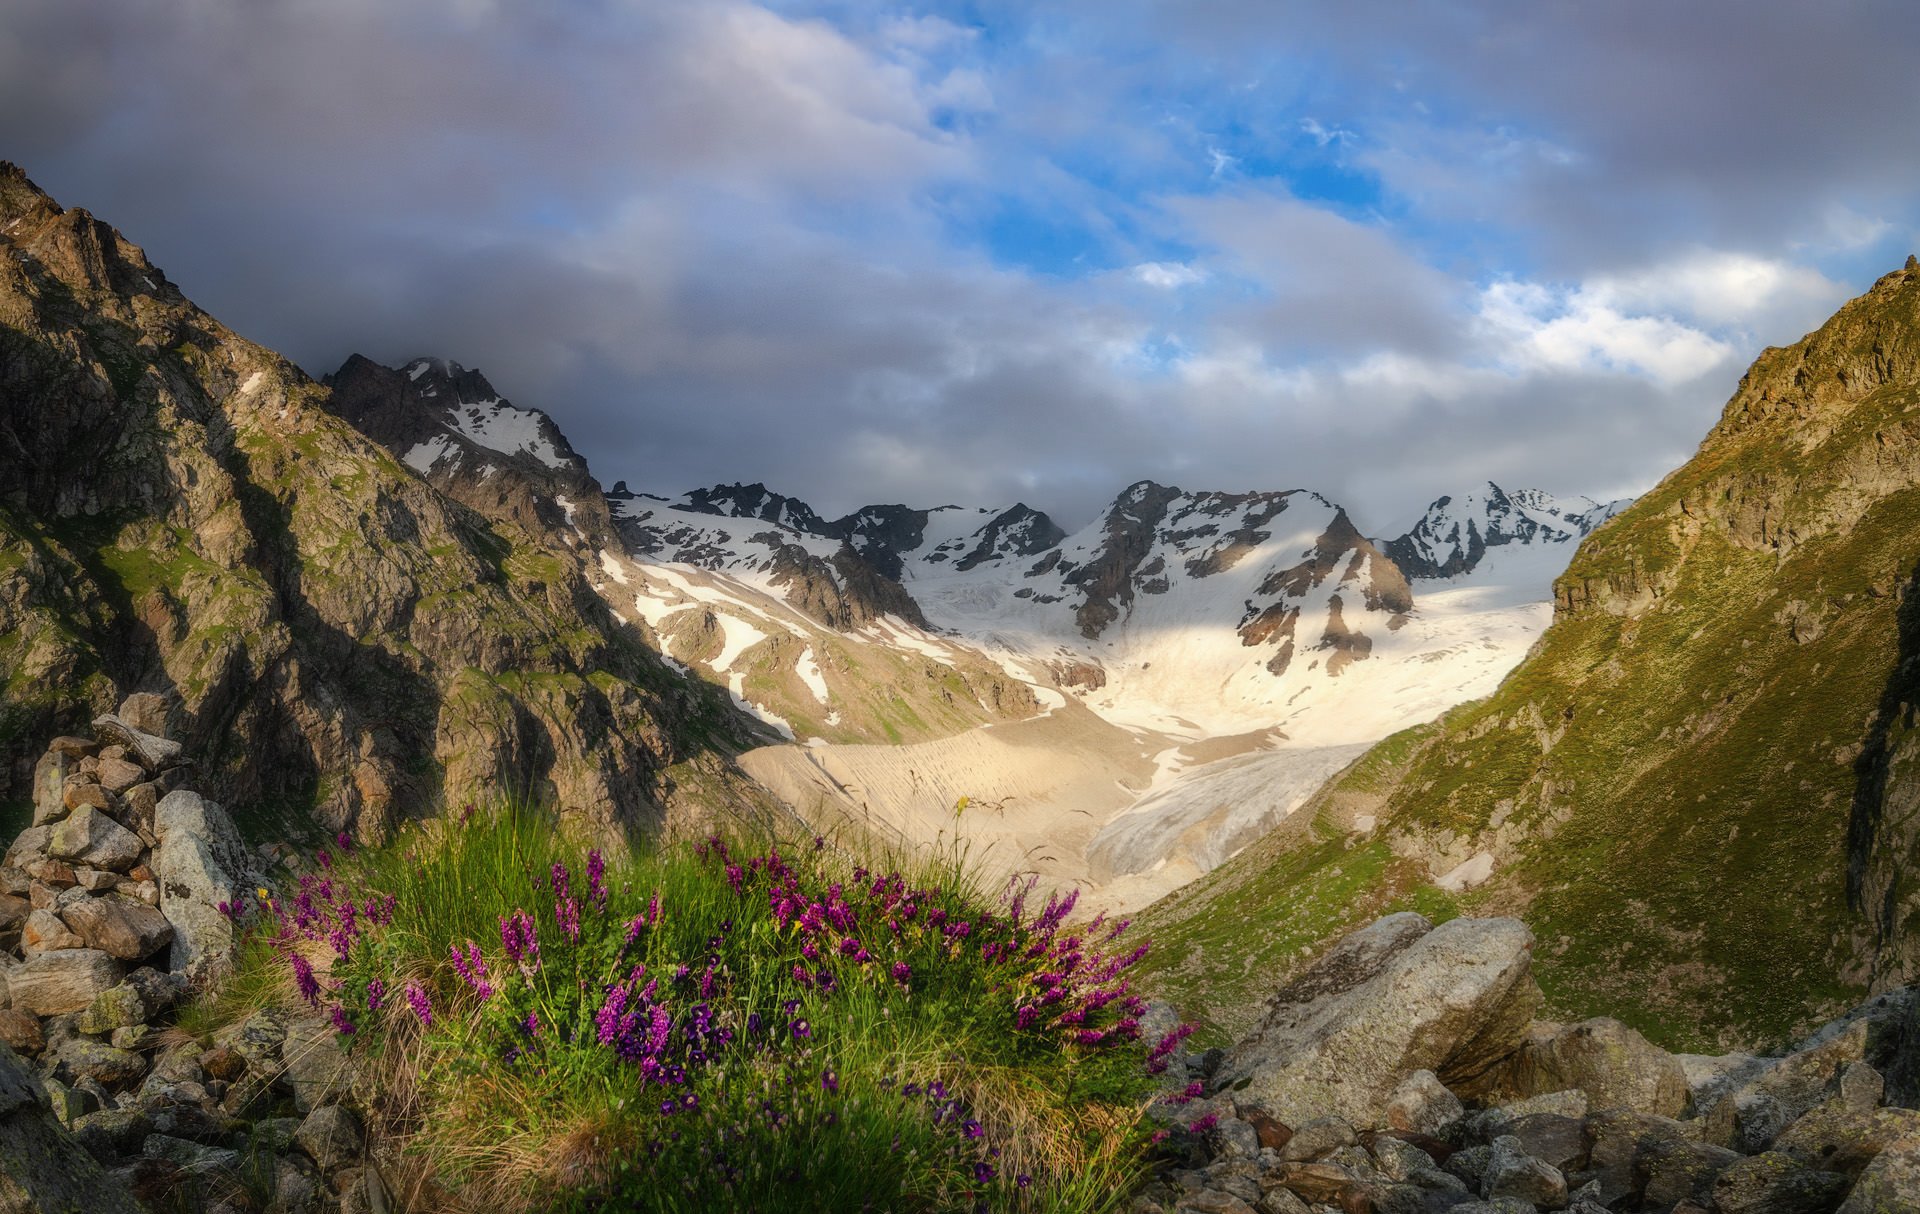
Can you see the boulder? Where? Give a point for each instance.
(1511, 1172)
(120, 927)
(1560, 1141)
(82, 791)
(44, 932)
(1749, 1117)
(118, 775)
(1396, 997)
(1837, 1137)
(115, 1008)
(1613, 1064)
(1318, 1138)
(1890, 1184)
(146, 711)
(49, 786)
(21, 1032)
(200, 862)
(90, 837)
(317, 1069)
(1683, 1171)
(1773, 1183)
(1423, 1105)
(81, 1058)
(110, 1134)
(150, 750)
(41, 1166)
(13, 912)
(29, 845)
(62, 981)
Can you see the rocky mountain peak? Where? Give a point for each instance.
(1458, 530)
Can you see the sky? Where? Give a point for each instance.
(979, 252)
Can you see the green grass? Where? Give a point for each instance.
(909, 1089)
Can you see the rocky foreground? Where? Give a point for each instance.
(1404, 1073)
(118, 905)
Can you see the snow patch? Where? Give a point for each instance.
(809, 671)
(739, 636)
(423, 457)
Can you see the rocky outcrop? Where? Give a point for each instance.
(181, 514)
(1832, 1144)
(103, 1098)
(1399, 997)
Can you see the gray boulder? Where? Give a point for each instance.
(200, 862)
(1511, 1172)
(88, 836)
(1891, 1183)
(1750, 1116)
(1613, 1064)
(62, 981)
(120, 927)
(151, 751)
(1396, 997)
(1423, 1105)
(49, 786)
(1773, 1183)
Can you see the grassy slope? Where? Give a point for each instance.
(1667, 781)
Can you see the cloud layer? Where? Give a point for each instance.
(927, 255)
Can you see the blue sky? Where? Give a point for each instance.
(981, 252)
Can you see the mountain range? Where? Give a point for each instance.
(1222, 652)
(1675, 735)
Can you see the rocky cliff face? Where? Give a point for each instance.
(1701, 788)
(181, 513)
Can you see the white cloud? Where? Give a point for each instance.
(1716, 288)
(1534, 327)
(1167, 275)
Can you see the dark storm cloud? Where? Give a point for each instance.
(722, 242)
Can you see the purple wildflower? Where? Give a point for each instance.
(422, 1006)
(472, 969)
(303, 979)
(376, 991)
(596, 886)
(522, 943)
(829, 1082)
(341, 1023)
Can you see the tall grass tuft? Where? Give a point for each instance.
(693, 1029)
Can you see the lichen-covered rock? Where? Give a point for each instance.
(41, 1167)
(63, 981)
(1890, 1184)
(81, 1058)
(1423, 1105)
(1752, 1115)
(89, 836)
(1511, 1172)
(1318, 1138)
(1776, 1183)
(120, 927)
(1613, 1064)
(111, 1009)
(1683, 1171)
(200, 863)
(49, 786)
(1838, 1137)
(112, 1134)
(1396, 997)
